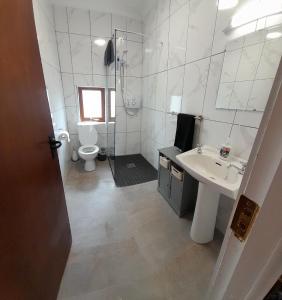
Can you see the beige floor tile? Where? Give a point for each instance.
(128, 244)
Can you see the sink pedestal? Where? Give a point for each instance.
(204, 219)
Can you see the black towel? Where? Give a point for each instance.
(109, 56)
(184, 132)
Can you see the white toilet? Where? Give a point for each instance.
(89, 150)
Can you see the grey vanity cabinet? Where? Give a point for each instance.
(179, 190)
(164, 182)
(176, 192)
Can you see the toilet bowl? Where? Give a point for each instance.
(89, 150)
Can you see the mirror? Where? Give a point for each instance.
(249, 68)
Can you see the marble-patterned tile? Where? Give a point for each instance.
(81, 53)
(210, 111)
(230, 65)
(170, 129)
(47, 8)
(255, 38)
(248, 118)
(61, 19)
(158, 132)
(194, 86)
(149, 91)
(177, 4)
(133, 123)
(134, 25)
(133, 142)
(46, 37)
(242, 139)
(160, 48)
(259, 94)
(79, 21)
(174, 89)
(134, 59)
(98, 53)
(202, 19)
(134, 91)
(101, 81)
(150, 19)
(240, 95)
(120, 119)
(82, 80)
(270, 59)
(120, 143)
(162, 10)
(214, 133)
(100, 24)
(224, 94)
(178, 37)
(220, 39)
(53, 84)
(72, 118)
(118, 22)
(161, 87)
(69, 90)
(249, 62)
(64, 52)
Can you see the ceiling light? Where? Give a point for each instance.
(226, 4)
(100, 42)
(274, 35)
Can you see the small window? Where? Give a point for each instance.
(112, 104)
(92, 104)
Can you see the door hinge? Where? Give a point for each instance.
(244, 217)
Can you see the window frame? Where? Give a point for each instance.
(82, 118)
(109, 104)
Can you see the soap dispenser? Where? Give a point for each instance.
(225, 149)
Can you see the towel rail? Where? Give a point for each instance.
(173, 113)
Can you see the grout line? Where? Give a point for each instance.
(187, 63)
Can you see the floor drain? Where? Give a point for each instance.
(130, 165)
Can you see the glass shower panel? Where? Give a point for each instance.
(125, 138)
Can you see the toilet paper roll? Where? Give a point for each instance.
(62, 135)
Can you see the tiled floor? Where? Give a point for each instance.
(128, 244)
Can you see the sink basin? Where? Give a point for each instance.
(215, 177)
(208, 168)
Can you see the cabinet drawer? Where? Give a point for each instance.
(176, 173)
(164, 162)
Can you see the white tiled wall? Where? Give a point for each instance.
(44, 20)
(183, 57)
(82, 64)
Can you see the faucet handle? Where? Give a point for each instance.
(199, 148)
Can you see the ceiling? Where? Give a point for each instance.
(131, 8)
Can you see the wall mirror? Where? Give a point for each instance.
(249, 67)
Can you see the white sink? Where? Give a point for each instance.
(208, 168)
(215, 176)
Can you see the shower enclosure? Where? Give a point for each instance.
(124, 130)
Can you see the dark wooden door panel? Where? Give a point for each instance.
(34, 228)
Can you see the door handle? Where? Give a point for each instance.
(54, 145)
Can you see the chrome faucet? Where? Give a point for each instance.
(240, 169)
(199, 148)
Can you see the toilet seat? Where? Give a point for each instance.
(88, 149)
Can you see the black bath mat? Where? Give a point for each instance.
(133, 169)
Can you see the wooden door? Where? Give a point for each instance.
(35, 234)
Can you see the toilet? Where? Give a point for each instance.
(88, 151)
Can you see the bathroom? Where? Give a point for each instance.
(122, 78)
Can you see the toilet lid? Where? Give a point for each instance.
(87, 135)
